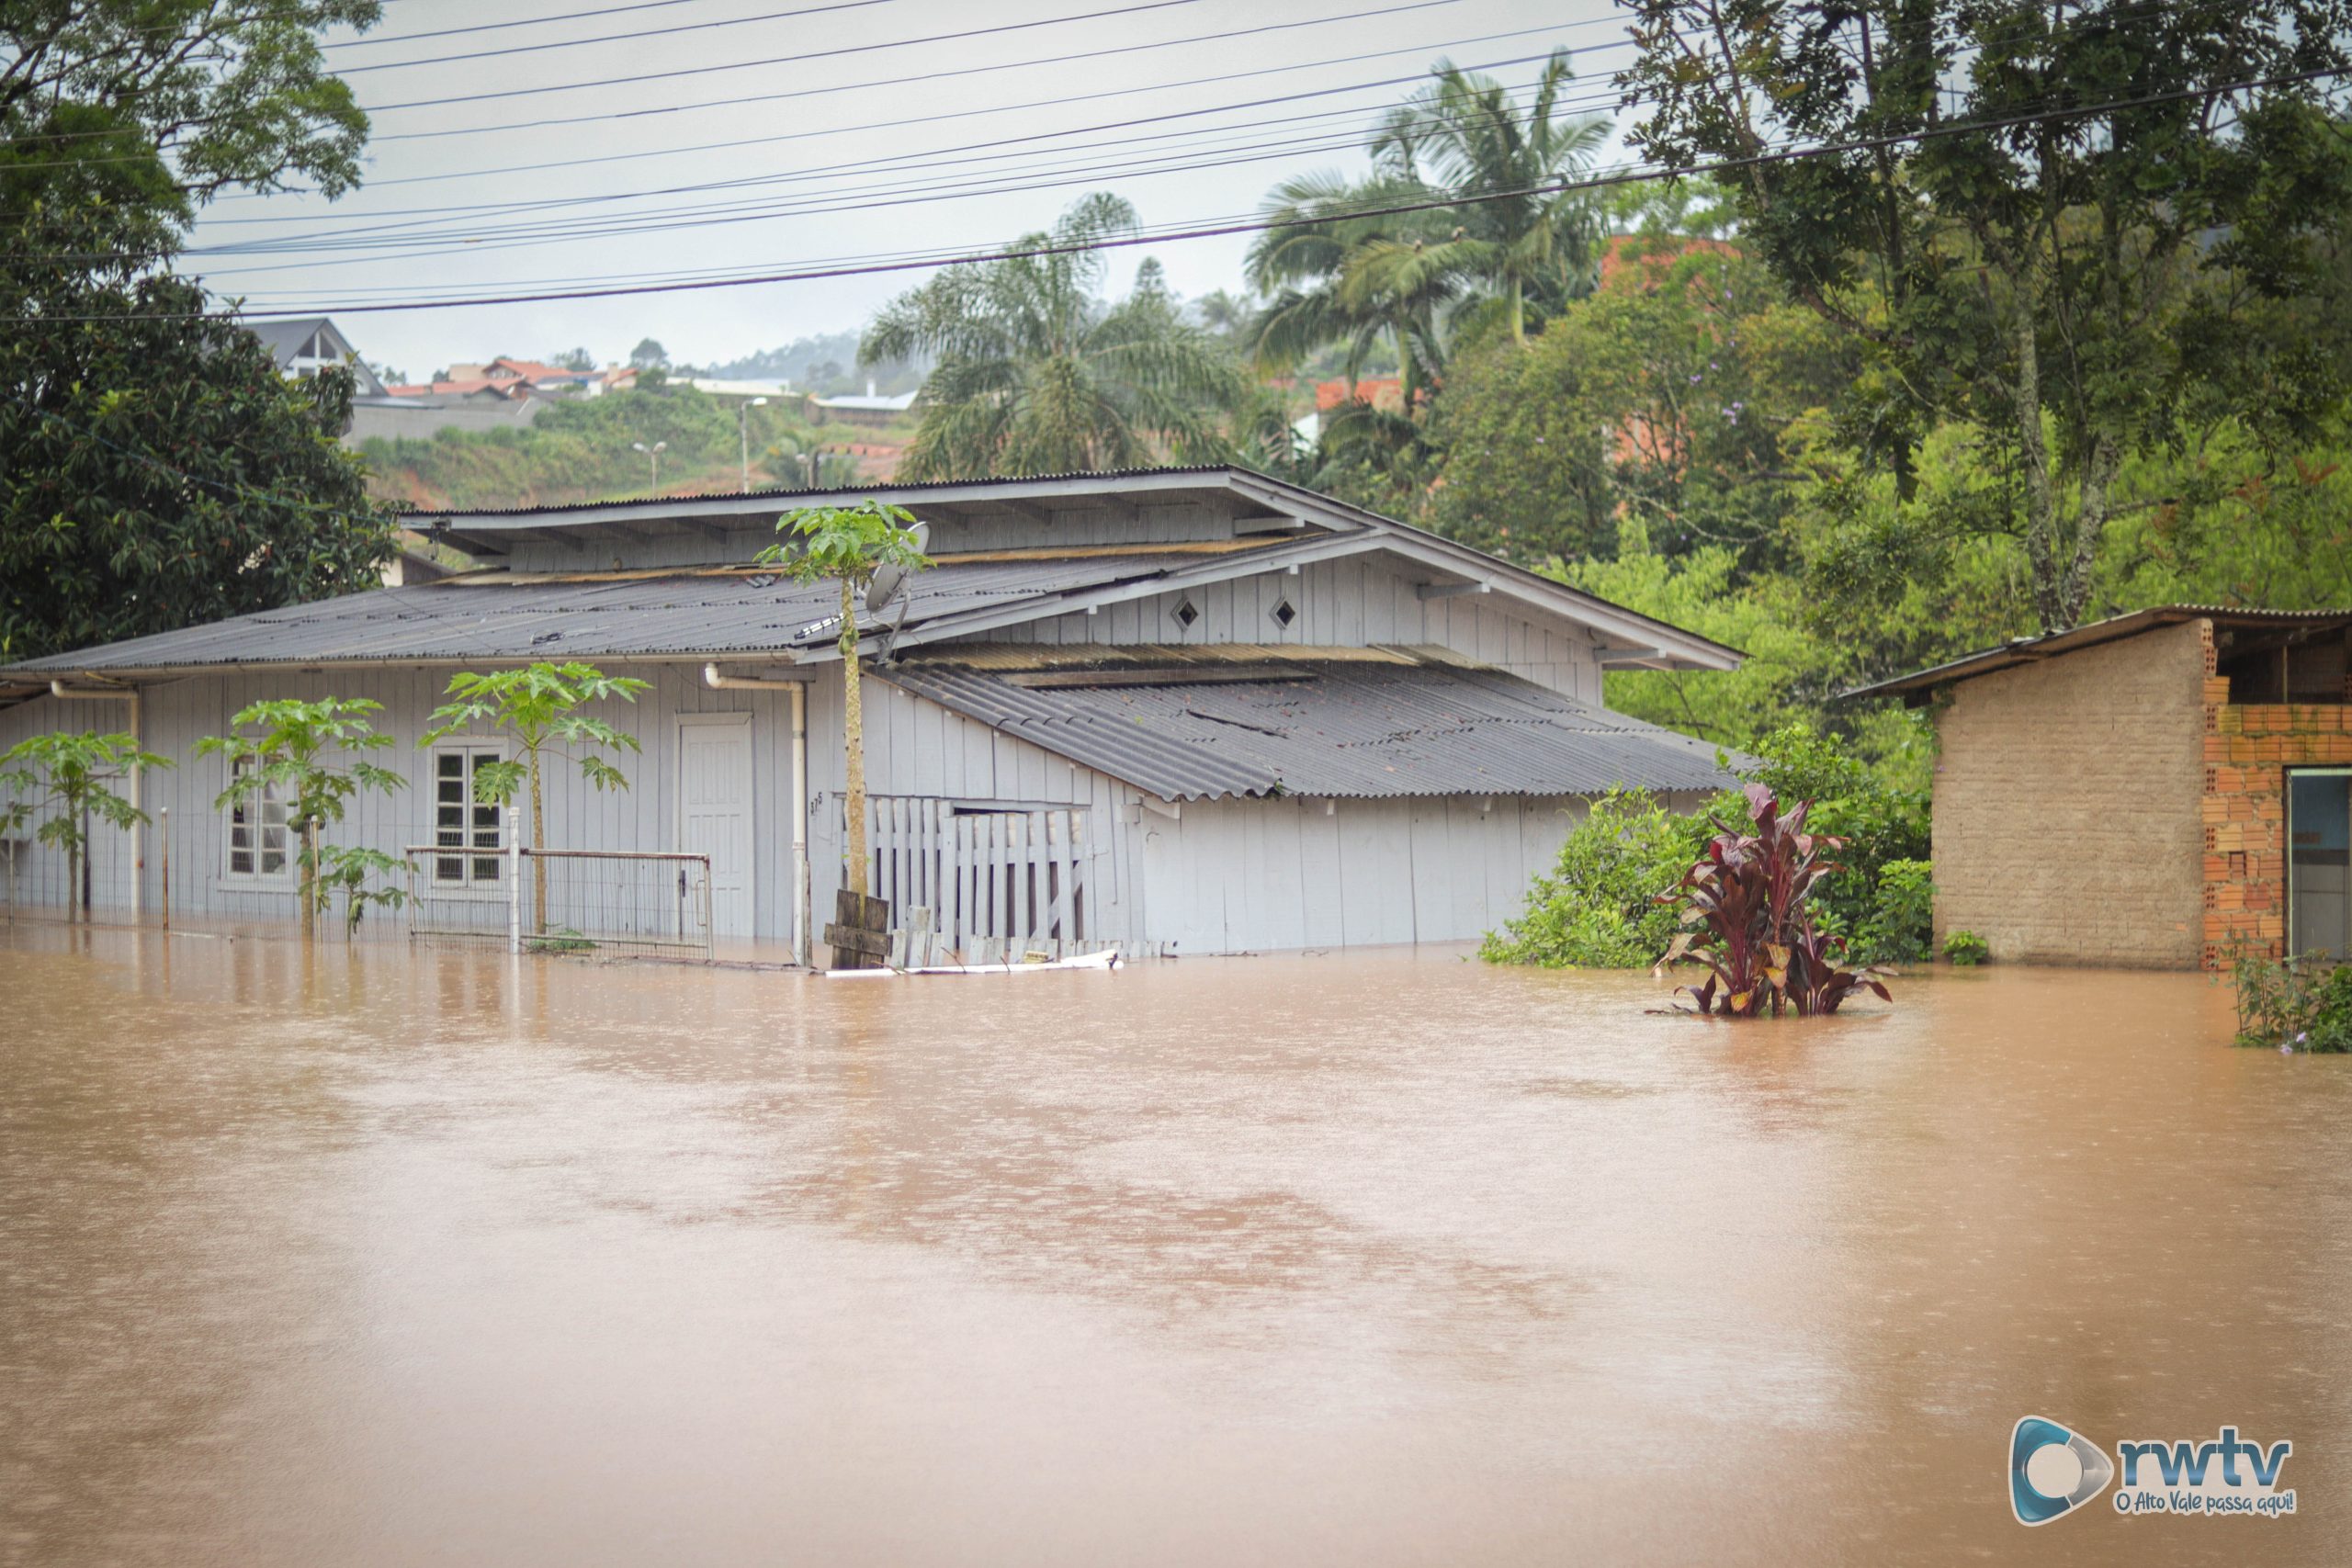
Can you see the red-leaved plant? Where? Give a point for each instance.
(1751, 924)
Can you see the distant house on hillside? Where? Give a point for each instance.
(305, 347)
(871, 409)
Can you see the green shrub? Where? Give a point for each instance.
(1902, 919)
(1598, 908)
(1879, 823)
(1965, 949)
(2294, 1004)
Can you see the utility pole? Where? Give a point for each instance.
(653, 452)
(743, 434)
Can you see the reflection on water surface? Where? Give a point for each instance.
(378, 1257)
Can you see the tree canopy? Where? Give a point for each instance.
(155, 469)
(1037, 374)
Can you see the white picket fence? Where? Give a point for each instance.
(994, 878)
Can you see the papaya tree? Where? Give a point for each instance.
(68, 775)
(291, 761)
(538, 706)
(849, 544)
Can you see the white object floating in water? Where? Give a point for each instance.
(1107, 959)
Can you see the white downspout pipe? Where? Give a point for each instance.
(64, 693)
(800, 690)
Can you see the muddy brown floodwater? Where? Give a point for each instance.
(383, 1257)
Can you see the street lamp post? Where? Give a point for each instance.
(654, 454)
(743, 433)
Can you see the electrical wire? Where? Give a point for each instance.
(993, 31)
(1707, 169)
(928, 159)
(1056, 102)
(609, 38)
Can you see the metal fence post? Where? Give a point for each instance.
(167, 867)
(514, 883)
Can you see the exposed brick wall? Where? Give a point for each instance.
(2068, 804)
(2248, 748)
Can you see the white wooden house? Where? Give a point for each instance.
(1227, 713)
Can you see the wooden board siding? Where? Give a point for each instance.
(177, 714)
(1243, 877)
(1356, 602)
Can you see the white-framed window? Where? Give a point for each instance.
(259, 846)
(469, 849)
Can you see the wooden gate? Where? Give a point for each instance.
(1009, 879)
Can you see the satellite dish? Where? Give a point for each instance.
(887, 579)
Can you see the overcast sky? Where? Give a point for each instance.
(919, 178)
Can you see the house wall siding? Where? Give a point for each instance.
(2069, 822)
(177, 714)
(1354, 602)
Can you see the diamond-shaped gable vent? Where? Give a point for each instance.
(1284, 614)
(1186, 613)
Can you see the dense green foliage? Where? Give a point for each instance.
(2293, 1004)
(155, 471)
(2075, 291)
(1598, 907)
(1965, 949)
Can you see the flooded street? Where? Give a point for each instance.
(383, 1257)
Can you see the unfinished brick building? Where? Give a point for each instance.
(2147, 791)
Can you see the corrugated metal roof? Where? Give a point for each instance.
(1343, 728)
(633, 614)
(2034, 649)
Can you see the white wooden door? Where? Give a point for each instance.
(715, 811)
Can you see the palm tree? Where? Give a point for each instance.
(1341, 268)
(1329, 276)
(1037, 374)
(1463, 136)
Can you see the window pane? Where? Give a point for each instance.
(485, 869)
(449, 838)
(450, 765)
(241, 862)
(444, 869)
(273, 861)
(450, 817)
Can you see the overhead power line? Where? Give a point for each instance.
(517, 22)
(928, 158)
(1258, 225)
(1058, 101)
(572, 42)
(992, 30)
